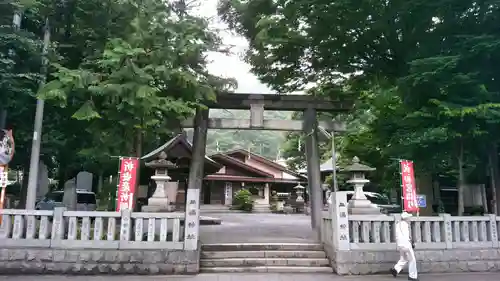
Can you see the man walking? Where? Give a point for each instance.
(405, 248)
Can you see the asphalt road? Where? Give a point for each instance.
(258, 277)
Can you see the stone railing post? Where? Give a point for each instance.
(340, 221)
(18, 230)
(446, 231)
(58, 224)
(125, 226)
(493, 231)
(5, 226)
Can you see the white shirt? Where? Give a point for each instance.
(403, 234)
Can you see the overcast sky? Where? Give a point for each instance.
(232, 65)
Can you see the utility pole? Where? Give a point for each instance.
(331, 136)
(37, 132)
(335, 186)
(16, 25)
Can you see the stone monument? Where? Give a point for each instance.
(359, 204)
(43, 181)
(70, 195)
(84, 181)
(164, 197)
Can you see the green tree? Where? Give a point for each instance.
(121, 71)
(423, 70)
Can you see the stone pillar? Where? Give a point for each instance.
(163, 199)
(228, 193)
(340, 221)
(266, 194)
(192, 219)
(313, 170)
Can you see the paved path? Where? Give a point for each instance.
(240, 227)
(258, 277)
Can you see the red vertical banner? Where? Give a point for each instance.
(410, 203)
(127, 182)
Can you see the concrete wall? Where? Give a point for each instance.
(86, 262)
(359, 262)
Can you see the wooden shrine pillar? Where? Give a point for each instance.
(313, 169)
(195, 180)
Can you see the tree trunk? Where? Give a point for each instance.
(461, 179)
(493, 171)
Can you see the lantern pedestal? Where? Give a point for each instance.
(159, 201)
(359, 204)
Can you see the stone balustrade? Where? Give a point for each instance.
(77, 242)
(91, 230)
(376, 232)
(364, 244)
(373, 232)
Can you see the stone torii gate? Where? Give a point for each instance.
(257, 103)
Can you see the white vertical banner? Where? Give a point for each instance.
(3, 186)
(192, 222)
(228, 192)
(3, 176)
(340, 221)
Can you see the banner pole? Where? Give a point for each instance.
(120, 158)
(401, 186)
(415, 188)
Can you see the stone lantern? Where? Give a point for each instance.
(359, 204)
(164, 197)
(299, 190)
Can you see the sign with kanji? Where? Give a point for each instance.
(410, 200)
(3, 186)
(3, 176)
(127, 182)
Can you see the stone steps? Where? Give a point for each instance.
(268, 269)
(262, 254)
(262, 247)
(254, 262)
(261, 209)
(264, 257)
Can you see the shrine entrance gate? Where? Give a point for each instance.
(257, 103)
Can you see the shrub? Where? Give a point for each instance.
(243, 201)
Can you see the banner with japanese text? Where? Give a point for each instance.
(127, 182)
(409, 188)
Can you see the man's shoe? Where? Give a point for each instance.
(394, 272)
(412, 279)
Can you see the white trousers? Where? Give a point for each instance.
(407, 256)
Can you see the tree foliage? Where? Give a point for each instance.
(121, 74)
(265, 143)
(423, 70)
